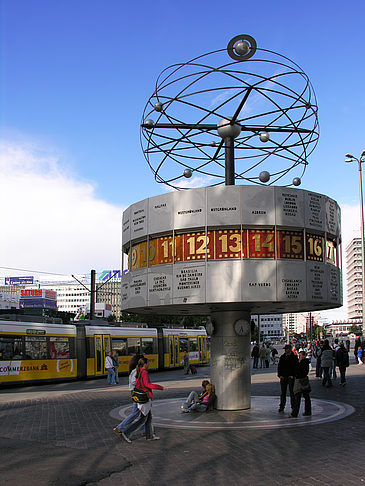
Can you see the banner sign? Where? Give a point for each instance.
(19, 280)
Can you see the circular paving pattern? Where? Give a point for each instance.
(262, 415)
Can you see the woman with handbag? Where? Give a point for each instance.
(131, 384)
(302, 386)
(143, 384)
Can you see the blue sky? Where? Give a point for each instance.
(76, 74)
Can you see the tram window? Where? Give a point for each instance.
(147, 346)
(35, 347)
(183, 345)
(193, 344)
(59, 347)
(133, 346)
(120, 346)
(90, 347)
(11, 347)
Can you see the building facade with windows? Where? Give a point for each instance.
(271, 326)
(298, 323)
(110, 293)
(354, 278)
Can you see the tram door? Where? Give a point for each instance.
(174, 350)
(102, 346)
(202, 348)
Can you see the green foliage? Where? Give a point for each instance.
(355, 329)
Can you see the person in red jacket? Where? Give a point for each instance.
(145, 414)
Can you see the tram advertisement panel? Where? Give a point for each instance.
(24, 370)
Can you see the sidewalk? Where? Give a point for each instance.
(62, 435)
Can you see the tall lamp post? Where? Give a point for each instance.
(361, 160)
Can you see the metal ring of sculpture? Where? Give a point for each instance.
(274, 118)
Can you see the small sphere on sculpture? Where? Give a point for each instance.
(149, 124)
(264, 137)
(225, 129)
(158, 106)
(264, 176)
(213, 144)
(242, 48)
(297, 181)
(188, 173)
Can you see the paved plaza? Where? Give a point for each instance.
(62, 435)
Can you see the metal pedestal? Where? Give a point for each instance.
(230, 363)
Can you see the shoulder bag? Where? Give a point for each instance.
(301, 385)
(138, 395)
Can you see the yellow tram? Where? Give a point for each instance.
(31, 351)
(34, 352)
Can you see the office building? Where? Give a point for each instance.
(354, 278)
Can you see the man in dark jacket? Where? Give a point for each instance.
(255, 355)
(342, 358)
(286, 373)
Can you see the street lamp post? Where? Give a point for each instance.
(361, 160)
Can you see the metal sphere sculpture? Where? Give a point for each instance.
(252, 103)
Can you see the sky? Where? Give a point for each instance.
(75, 77)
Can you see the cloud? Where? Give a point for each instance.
(194, 182)
(51, 220)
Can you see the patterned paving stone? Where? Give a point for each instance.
(61, 435)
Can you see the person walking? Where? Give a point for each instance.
(255, 355)
(145, 409)
(186, 363)
(318, 356)
(335, 347)
(262, 355)
(267, 359)
(131, 385)
(359, 355)
(115, 359)
(348, 344)
(357, 345)
(302, 386)
(342, 357)
(274, 353)
(327, 363)
(109, 366)
(286, 373)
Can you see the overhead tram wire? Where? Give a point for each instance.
(40, 271)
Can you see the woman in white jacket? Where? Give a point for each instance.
(327, 363)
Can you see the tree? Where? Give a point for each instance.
(354, 329)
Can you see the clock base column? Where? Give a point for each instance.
(230, 359)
